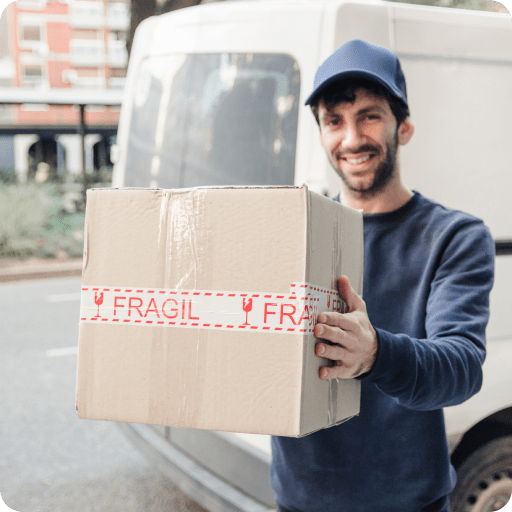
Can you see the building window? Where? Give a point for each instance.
(31, 33)
(35, 72)
(87, 73)
(118, 35)
(118, 73)
(32, 75)
(89, 78)
(117, 78)
(91, 34)
(117, 83)
(32, 36)
(87, 52)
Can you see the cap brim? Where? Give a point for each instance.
(353, 73)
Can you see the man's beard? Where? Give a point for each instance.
(383, 174)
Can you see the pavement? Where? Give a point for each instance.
(50, 460)
(40, 270)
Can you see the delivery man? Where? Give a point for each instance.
(417, 341)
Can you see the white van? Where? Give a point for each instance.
(215, 96)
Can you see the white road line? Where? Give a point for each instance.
(57, 352)
(63, 297)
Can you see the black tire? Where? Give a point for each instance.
(484, 479)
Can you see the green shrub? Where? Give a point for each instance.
(7, 176)
(33, 222)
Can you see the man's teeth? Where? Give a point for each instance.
(358, 160)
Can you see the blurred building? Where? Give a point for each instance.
(7, 113)
(60, 44)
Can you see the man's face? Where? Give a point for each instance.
(360, 140)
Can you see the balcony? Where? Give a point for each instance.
(31, 5)
(34, 81)
(118, 16)
(116, 83)
(90, 82)
(86, 15)
(87, 52)
(7, 70)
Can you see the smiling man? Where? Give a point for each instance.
(417, 340)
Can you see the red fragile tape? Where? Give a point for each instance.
(293, 313)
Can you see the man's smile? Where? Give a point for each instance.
(360, 160)
(357, 159)
(357, 162)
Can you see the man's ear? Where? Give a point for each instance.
(405, 132)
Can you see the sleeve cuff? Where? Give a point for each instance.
(393, 358)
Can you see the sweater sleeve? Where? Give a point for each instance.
(445, 368)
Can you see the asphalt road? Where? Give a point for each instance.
(50, 461)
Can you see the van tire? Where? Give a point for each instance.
(484, 479)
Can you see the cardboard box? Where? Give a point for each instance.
(198, 308)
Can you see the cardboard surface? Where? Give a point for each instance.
(198, 307)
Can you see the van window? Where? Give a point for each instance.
(214, 119)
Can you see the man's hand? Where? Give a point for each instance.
(355, 339)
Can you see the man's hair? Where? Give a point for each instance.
(345, 91)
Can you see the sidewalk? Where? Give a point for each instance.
(13, 270)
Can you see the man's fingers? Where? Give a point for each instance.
(349, 295)
(324, 372)
(334, 352)
(326, 332)
(342, 335)
(345, 322)
(339, 371)
(354, 339)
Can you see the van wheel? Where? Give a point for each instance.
(484, 479)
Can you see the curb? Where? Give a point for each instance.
(50, 270)
(203, 486)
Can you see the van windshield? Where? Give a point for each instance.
(214, 119)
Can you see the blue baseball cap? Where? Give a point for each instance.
(359, 59)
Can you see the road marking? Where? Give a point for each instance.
(57, 352)
(63, 297)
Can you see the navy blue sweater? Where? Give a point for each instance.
(427, 276)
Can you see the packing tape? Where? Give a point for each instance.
(332, 411)
(293, 313)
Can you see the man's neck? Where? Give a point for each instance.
(393, 197)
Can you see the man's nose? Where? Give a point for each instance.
(352, 135)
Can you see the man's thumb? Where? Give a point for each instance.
(348, 294)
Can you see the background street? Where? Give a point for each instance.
(49, 459)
